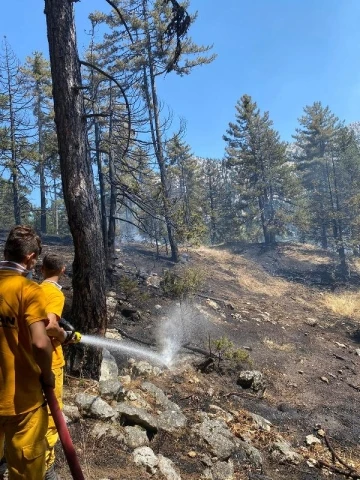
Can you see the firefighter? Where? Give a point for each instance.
(25, 358)
(53, 267)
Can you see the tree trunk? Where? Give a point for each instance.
(89, 301)
(113, 199)
(43, 227)
(154, 114)
(101, 184)
(14, 176)
(212, 211)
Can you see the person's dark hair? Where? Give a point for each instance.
(53, 263)
(22, 241)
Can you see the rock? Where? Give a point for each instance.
(167, 468)
(101, 409)
(137, 416)
(158, 307)
(144, 369)
(84, 401)
(324, 379)
(109, 369)
(125, 379)
(252, 454)
(94, 407)
(281, 450)
(101, 429)
(357, 351)
(145, 457)
(216, 434)
(192, 454)
(184, 258)
(312, 322)
(171, 420)
(215, 306)
(136, 400)
(113, 334)
(153, 281)
(135, 437)
(251, 379)
(311, 440)
(71, 412)
(159, 396)
(111, 389)
(111, 304)
(261, 422)
(221, 471)
(220, 413)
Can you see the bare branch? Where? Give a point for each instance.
(110, 77)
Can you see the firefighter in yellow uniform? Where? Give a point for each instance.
(53, 267)
(25, 359)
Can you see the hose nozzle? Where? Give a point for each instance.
(72, 335)
(76, 337)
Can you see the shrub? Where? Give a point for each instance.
(182, 285)
(128, 287)
(225, 349)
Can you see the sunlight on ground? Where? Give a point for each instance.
(284, 347)
(248, 274)
(343, 304)
(307, 253)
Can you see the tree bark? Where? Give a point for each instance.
(154, 114)
(89, 301)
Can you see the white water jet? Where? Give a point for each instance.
(177, 328)
(123, 346)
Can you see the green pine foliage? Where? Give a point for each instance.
(265, 180)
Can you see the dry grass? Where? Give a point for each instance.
(345, 304)
(284, 347)
(305, 253)
(246, 273)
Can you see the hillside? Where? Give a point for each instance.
(284, 308)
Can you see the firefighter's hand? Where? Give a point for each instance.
(56, 332)
(48, 380)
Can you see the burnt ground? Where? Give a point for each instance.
(271, 303)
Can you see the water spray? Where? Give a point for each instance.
(74, 337)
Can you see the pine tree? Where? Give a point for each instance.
(264, 177)
(38, 86)
(321, 143)
(150, 46)
(187, 191)
(15, 150)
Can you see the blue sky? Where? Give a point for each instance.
(284, 53)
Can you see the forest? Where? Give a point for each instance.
(147, 179)
(239, 271)
(88, 148)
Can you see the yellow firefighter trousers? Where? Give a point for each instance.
(52, 435)
(25, 449)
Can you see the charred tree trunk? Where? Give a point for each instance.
(89, 301)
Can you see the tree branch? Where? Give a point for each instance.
(110, 77)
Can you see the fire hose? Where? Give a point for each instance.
(64, 435)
